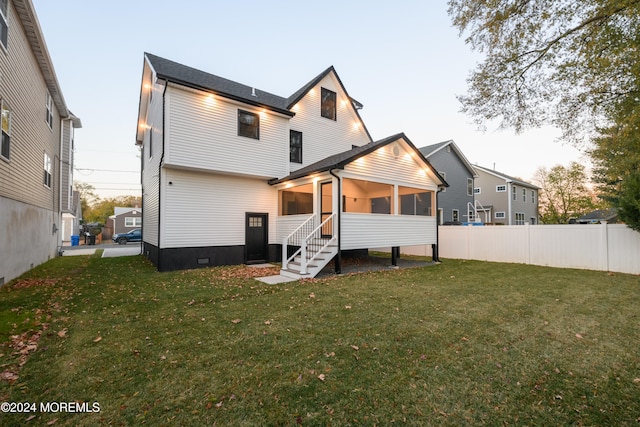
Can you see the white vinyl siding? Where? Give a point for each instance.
(202, 133)
(376, 231)
(209, 209)
(323, 137)
(150, 165)
(384, 166)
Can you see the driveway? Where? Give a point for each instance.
(110, 250)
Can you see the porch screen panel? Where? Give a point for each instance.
(415, 201)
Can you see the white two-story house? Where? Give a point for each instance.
(232, 174)
(38, 209)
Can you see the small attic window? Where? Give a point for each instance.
(328, 104)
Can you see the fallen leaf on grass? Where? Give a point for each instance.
(578, 336)
(62, 333)
(98, 339)
(236, 321)
(636, 381)
(348, 307)
(321, 377)
(52, 422)
(312, 295)
(355, 347)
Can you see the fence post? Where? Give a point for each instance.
(605, 244)
(285, 255)
(527, 242)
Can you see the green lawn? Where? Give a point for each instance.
(450, 344)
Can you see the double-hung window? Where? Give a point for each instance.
(295, 146)
(5, 148)
(47, 171)
(248, 124)
(48, 117)
(4, 27)
(328, 104)
(519, 218)
(469, 186)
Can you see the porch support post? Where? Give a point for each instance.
(338, 258)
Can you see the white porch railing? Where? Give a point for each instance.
(312, 241)
(473, 210)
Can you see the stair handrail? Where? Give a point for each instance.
(296, 236)
(303, 249)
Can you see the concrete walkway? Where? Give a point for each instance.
(109, 250)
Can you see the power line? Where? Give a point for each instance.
(103, 170)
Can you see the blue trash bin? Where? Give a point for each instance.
(75, 240)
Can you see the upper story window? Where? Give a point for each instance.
(49, 113)
(248, 124)
(501, 188)
(4, 27)
(469, 186)
(47, 171)
(533, 196)
(524, 194)
(444, 176)
(328, 104)
(5, 151)
(295, 146)
(514, 194)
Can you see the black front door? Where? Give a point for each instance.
(256, 237)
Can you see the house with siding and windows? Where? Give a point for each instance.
(508, 200)
(456, 203)
(37, 205)
(232, 174)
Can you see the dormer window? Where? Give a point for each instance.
(328, 104)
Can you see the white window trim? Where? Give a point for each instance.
(477, 190)
(521, 221)
(501, 188)
(455, 213)
(500, 215)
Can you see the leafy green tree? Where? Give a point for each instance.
(629, 201)
(102, 209)
(563, 194)
(616, 152)
(87, 196)
(562, 62)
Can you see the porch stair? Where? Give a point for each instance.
(316, 261)
(316, 246)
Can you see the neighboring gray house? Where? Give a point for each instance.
(507, 200)
(455, 203)
(126, 219)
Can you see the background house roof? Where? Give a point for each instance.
(430, 150)
(506, 177)
(338, 161)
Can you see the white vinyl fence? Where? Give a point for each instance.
(605, 247)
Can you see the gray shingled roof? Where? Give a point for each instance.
(507, 177)
(338, 161)
(191, 77)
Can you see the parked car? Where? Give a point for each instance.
(131, 236)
